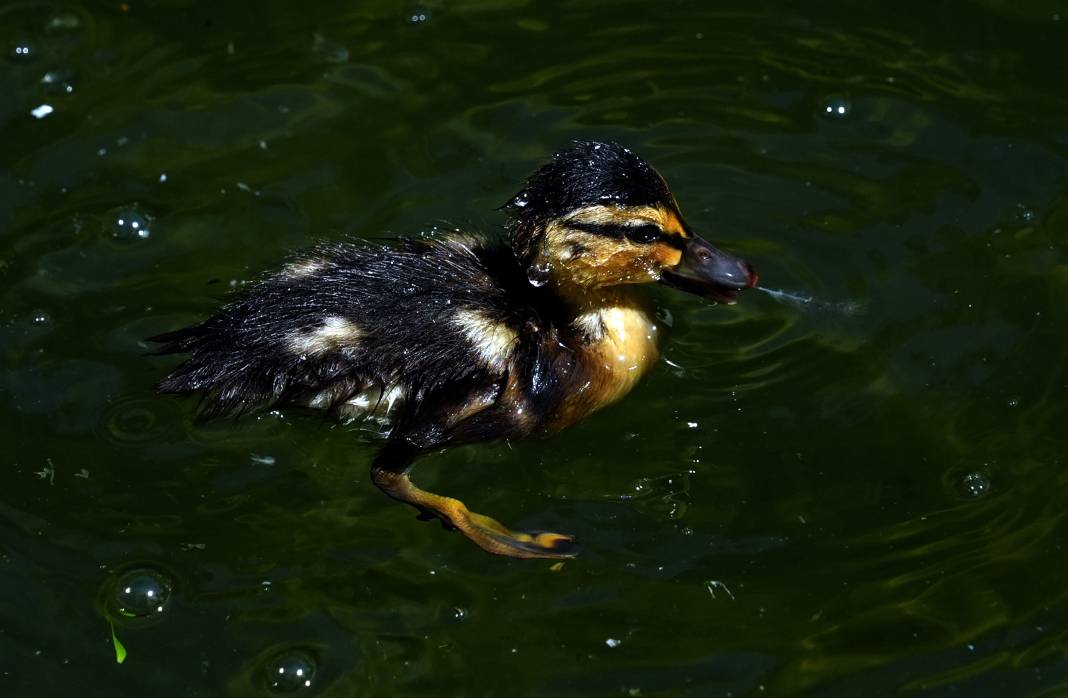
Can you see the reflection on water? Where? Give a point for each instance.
(850, 484)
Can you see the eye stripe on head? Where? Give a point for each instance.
(642, 232)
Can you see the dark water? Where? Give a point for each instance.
(798, 501)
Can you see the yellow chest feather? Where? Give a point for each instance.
(621, 350)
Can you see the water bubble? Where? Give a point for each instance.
(521, 200)
(613, 642)
(418, 17)
(41, 317)
(141, 593)
(1014, 402)
(130, 224)
(130, 422)
(42, 111)
(837, 107)
(290, 671)
(458, 613)
(975, 484)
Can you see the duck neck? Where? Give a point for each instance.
(610, 313)
(614, 335)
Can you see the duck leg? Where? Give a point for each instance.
(390, 473)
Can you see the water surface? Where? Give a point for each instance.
(796, 502)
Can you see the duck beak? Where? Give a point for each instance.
(710, 272)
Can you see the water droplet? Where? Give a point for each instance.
(23, 50)
(675, 509)
(1024, 214)
(837, 107)
(290, 671)
(975, 484)
(141, 593)
(538, 273)
(130, 223)
(58, 81)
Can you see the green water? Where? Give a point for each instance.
(797, 502)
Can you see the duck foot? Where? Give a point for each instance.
(485, 532)
(493, 537)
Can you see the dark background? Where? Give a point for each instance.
(799, 501)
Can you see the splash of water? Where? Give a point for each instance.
(847, 308)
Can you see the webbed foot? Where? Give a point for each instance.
(487, 533)
(492, 536)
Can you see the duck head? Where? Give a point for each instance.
(598, 215)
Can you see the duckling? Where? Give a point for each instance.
(459, 338)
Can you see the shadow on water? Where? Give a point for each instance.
(801, 500)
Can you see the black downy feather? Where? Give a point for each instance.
(401, 298)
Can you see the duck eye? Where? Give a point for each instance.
(644, 233)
